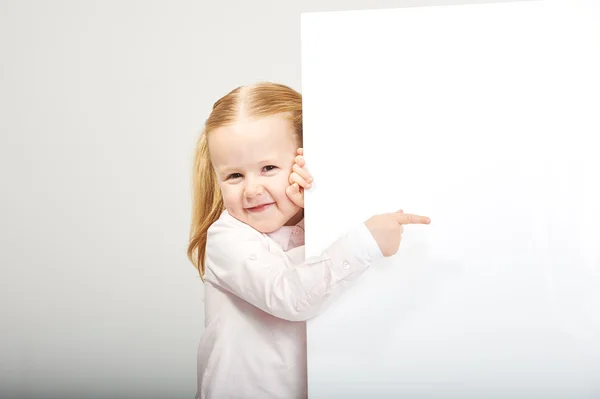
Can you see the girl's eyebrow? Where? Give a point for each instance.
(269, 160)
(225, 170)
(230, 168)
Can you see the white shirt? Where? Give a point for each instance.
(259, 292)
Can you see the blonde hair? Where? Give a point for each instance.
(257, 100)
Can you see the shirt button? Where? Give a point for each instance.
(295, 232)
(252, 257)
(345, 266)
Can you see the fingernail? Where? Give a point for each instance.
(308, 185)
(310, 179)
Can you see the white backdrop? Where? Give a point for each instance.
(484, 118)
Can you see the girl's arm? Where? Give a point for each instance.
(239, 261)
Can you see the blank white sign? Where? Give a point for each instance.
(485, 118)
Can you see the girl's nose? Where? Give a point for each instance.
(252, 190)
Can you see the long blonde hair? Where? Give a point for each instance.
(257, 100)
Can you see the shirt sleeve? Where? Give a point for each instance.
(239, 261)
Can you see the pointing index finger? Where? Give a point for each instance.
(407, 218)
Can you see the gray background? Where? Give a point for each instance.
(101, 104)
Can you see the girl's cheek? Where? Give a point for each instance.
(283, 183)
(229, 195)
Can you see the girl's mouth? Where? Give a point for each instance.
(259, 208)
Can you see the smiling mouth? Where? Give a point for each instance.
(259, 208)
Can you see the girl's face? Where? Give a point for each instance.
(253, 160)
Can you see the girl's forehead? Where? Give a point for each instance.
(273, 124)
(252, 139)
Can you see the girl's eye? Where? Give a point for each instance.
(234, 176)
(270, 167)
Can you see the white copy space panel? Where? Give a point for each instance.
(485, 118)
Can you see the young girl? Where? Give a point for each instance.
(247, 238)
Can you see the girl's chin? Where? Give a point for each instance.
(267, 225)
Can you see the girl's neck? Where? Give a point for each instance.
(296, 218)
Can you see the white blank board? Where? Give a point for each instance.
(486, 119)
